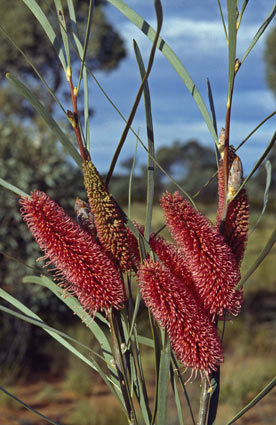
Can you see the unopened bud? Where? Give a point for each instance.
(221, 142)
(237, 65)
(71, 118)
(68, 73)
(235, 178)
(84, 216)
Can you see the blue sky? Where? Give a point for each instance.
(194, 31)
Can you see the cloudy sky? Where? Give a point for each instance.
(194, 31)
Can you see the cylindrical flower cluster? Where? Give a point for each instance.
(109, 220)
(84, 266)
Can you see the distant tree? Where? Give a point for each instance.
(29, 158)
(105, 48)
(189, 163)
(270, 60)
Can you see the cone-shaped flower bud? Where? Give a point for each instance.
(192, 335)
(235, 178)
(235, 230)
(82, 262)
(85, 217)
(109, 220)
(209, 259)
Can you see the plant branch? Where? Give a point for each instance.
(74, 118)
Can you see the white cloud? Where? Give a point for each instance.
(196, 36)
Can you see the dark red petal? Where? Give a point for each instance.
(90, 273)
(209, 259)
(192, 335)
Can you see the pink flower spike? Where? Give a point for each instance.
(192, 335)
(89, 272)
(235, 229)
(172, 257)
(209, 259)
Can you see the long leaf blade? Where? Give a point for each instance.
(269, 245)
(42, 111)
(22, 403)
(232, 43)
(254, 401)
(150, 137)
(12, 188)
(266, 193)
(260, 31)
(45, 24)
(63, 30)
(163, 382)
(172, 58)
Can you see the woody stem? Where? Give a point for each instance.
(75, 123)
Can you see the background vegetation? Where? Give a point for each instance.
(27, 160)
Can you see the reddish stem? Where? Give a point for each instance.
(83, 151)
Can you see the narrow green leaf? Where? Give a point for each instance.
(232, 35)
(181, 190)
(145, 341)
(150, 137)
(213, 114)
(42, 111)
(28, 61)
(50, 421)
(163, 383)
(159, 15)
(259, 260)
(87, 34)
(245, 3)
(75, 306)
(16, 303)
(12, 188)
(212, 105)
(172, 58)
(266, 192)
(255, 129)
(44, 22)
(131, 179)
(43, 325)
(260, 31)
(223, 21)
(63, 30)
(258, 163)
(179, 374)
(254, 401)
(176, 397)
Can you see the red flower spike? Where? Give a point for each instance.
(209, 259)
(192, 335)
(235, 230)
(109, 220)
(172, 257)
(89, 272)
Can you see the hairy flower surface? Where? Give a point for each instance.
(209, 258)
(88, 270)
(235, 230)
(109, 220)
(192, 335)
(172, 257)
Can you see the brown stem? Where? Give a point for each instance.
(204, 403)
(83, 152)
